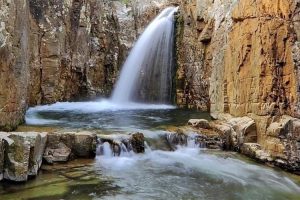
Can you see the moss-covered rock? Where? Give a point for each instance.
(23, 154)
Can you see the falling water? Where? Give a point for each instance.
(147, 73)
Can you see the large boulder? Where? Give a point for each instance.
(62, 147)
(85, 144)
(17, 158)
(282, 140)
(23, 155)
(254, 150)
(226, 133)
(245, 130)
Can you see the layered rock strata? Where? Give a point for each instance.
(241, 58)
(64, 50)
(280, 147)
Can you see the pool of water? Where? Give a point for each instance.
(106, 116)
(187, 173)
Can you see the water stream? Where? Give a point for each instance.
(186, 173)
(147, 73)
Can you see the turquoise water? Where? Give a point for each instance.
(187, 173)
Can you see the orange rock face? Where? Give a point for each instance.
(259, 67)
(246, 64)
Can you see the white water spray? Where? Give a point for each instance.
(147, 72)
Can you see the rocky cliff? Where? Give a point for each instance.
(242, 58)
(239, 57)
(14, 61)
(64, 50)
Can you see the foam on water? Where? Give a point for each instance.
(188, 162)
(148, 71)
(32, 117)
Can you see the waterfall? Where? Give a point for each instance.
(147, 73)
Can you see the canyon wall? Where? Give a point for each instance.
(64, 50)
(241, 57)
(14, 61)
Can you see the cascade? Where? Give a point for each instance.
(147, 73)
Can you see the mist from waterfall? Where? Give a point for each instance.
(147, 73)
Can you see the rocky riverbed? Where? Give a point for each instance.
(22, 153)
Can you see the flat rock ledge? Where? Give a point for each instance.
(22, 153)
(271, 140)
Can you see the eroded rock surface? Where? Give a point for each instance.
(242, 58)
(64, 50)
(278, 144)
(22, 154)
(62, 147)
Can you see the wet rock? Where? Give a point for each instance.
(138, 142)
(64, 146)
(245, 129)
(282, 141)
(254, 150)
(85, 144)
(36, 153)
(199, 123)
(57, 153)
(116, 148)
(3, 138)
(117, 144)
(177, 138)
(209, 141)
(23, 153)
(227, 134)
(123, 143)
(1, 158)
(17, 158)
